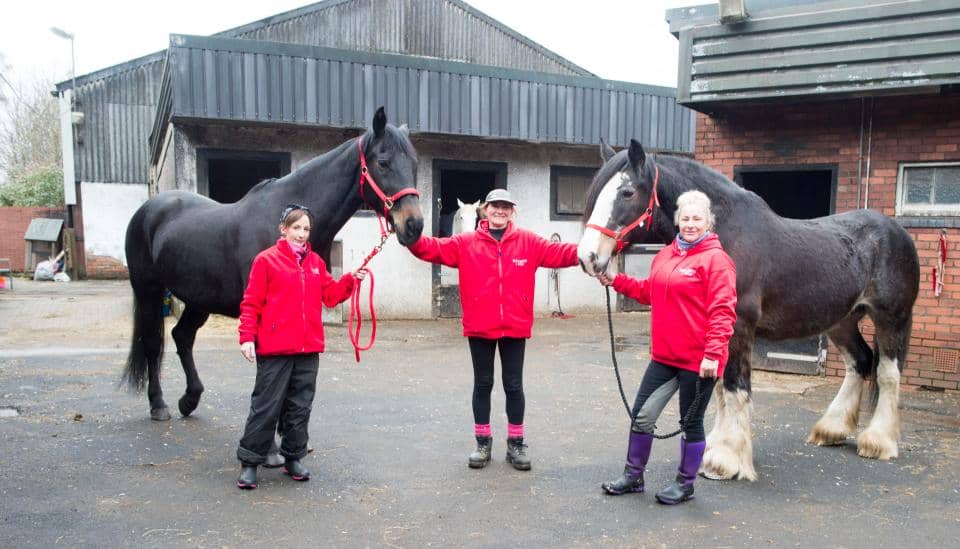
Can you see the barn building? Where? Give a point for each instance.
(486, 108)
(822, 107)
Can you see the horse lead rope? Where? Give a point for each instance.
(385, 232)
(356, 312)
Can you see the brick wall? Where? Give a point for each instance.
(901, 129)
(13, 225)
(103, 267)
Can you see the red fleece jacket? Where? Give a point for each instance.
(281, 308)
(693, 299)
(497, 279)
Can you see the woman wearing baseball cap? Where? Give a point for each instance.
(497, 267)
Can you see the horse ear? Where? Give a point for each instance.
(460, 203)
(606, 151)
(636, 154)
(379, 122)
(404, 130)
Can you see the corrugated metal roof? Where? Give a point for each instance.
(444, 29)
(820, 49)
(255, 81)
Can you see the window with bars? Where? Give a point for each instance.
(568, 187)
(929, 189)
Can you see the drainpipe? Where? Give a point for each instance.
(860, 152)
(866, 185)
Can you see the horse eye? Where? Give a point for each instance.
(627, 193)
(383, 164)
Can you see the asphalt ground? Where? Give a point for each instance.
(82, 465)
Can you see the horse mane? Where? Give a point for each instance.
(678, 174)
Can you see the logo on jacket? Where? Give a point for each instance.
(316, 270)
(687, 271)
(519, 262)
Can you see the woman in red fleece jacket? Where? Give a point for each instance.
(497, 265)
(692, 291)
(281, 327)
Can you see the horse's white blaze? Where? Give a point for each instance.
(880, 438)
(729, 451)
(592, 251)
(842, 415)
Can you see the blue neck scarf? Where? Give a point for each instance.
(684, 245)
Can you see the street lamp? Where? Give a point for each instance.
(73, 66)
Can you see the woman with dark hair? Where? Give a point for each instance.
(282, 329)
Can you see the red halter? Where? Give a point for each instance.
(365, 177)
(356, 315)
(644, 217)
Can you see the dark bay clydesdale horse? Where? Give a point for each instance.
(795, 278)
(201, 250)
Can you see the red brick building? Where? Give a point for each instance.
(824, 111)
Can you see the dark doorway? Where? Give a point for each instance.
(226, 176)
(467, 182)
(797, 192)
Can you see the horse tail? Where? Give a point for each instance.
(146, 345)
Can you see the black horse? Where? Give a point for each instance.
(201, 250)
(795, 278)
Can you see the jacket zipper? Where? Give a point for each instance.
(303, 307)
(500, 283)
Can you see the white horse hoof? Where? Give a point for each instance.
(873, 445)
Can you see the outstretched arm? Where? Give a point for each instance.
(558, 254)
(445, 251)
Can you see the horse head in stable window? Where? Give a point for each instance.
(795, 278)
(468, 217)
(202, 250)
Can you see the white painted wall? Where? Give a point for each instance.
(107, 209)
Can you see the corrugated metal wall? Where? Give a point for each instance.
(219, 78)
(119, 110)
(852, 47)
(444, 29)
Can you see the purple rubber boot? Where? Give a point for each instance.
(638, 452)
(681, 489)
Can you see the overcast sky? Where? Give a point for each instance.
(615, 39)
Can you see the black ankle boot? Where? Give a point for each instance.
(629, 482)
(248, 477)
(517, 454)
(296, 470)
(481, 456)
(678, 491)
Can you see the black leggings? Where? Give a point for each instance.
(511, 363)
(660, 382)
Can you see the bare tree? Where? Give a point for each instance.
(30, 155)
(29, 127)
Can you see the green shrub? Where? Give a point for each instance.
(41, 186)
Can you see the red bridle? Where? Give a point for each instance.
(356, 316)
(618, 236)
(365, 177)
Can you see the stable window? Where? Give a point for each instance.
(929, 189)
(568, 187)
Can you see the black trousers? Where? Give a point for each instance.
(482, 351)
(282, 397)
(660, 382)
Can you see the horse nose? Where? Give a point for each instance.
(414, 226)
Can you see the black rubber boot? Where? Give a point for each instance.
(296, 470)
(248, 477)
(517, 454)
(481, 456)
(631, 481)
(681, 489)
